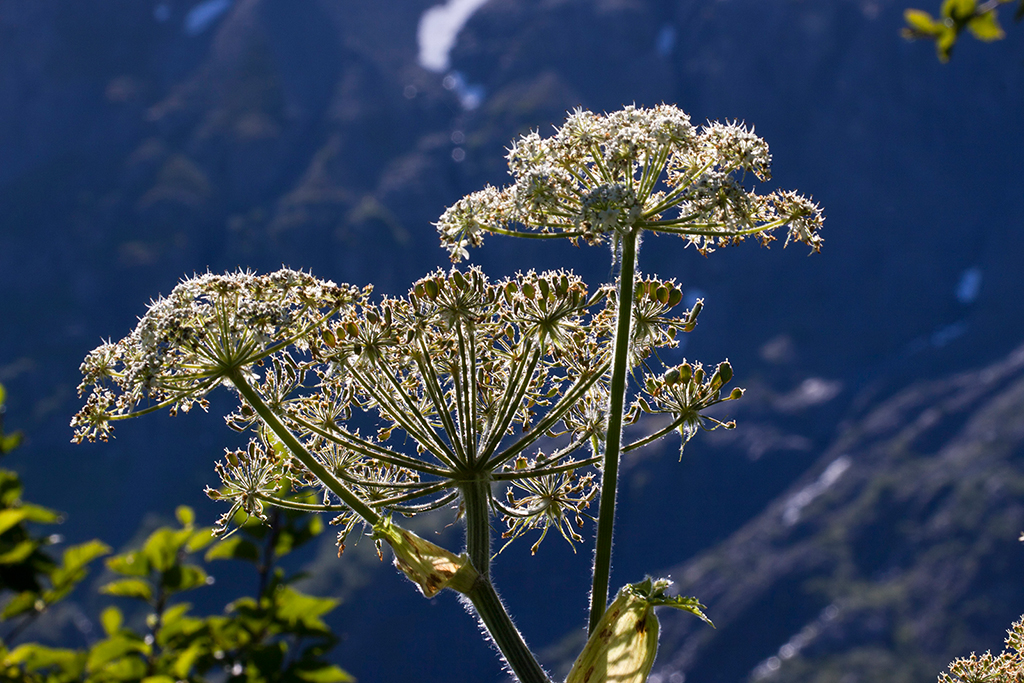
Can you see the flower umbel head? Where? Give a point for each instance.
(634, 169)
(188, 342)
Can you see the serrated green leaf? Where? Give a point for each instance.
(111, 618)
(985, 27)
(129, 588)
(234, 548)
(686, 604)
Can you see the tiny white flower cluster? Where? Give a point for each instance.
(627, 171)
(188, 342)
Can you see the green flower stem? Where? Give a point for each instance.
(616, 401)
(508, 639)
(476, 495)
(297, 449)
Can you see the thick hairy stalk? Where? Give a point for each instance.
(617, 397)
(508, 639)
(476, 496)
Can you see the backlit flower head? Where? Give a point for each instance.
(633, 169)
(187, 342)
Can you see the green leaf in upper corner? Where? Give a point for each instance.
(132, 563)
(129, 588)
(324, 673)
(111, 618)
(922, 22)
(985, 27)
(234, 548)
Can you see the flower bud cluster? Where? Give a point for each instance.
(683, 392)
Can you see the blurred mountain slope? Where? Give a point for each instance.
(895, 553)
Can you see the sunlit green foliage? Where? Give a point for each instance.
(149, 634)
(980, 19)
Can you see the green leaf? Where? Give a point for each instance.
(185, 515)
(10, 518)
(129, 588)
(944, 44)
(985, 27)
(73, 571)
(35, 657)
(182, 578)
(184, 661)
(8, 442)
(111, 620)
(958, 10)
(922, 22)
(157, 679)
(133, 563)
(327, 673)
(20, 552)
(234, 548)
(200, 539)
(21, 603)
(298, 608)
(37, 513)
(108, 650)
(78, 556)
(163, 545)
